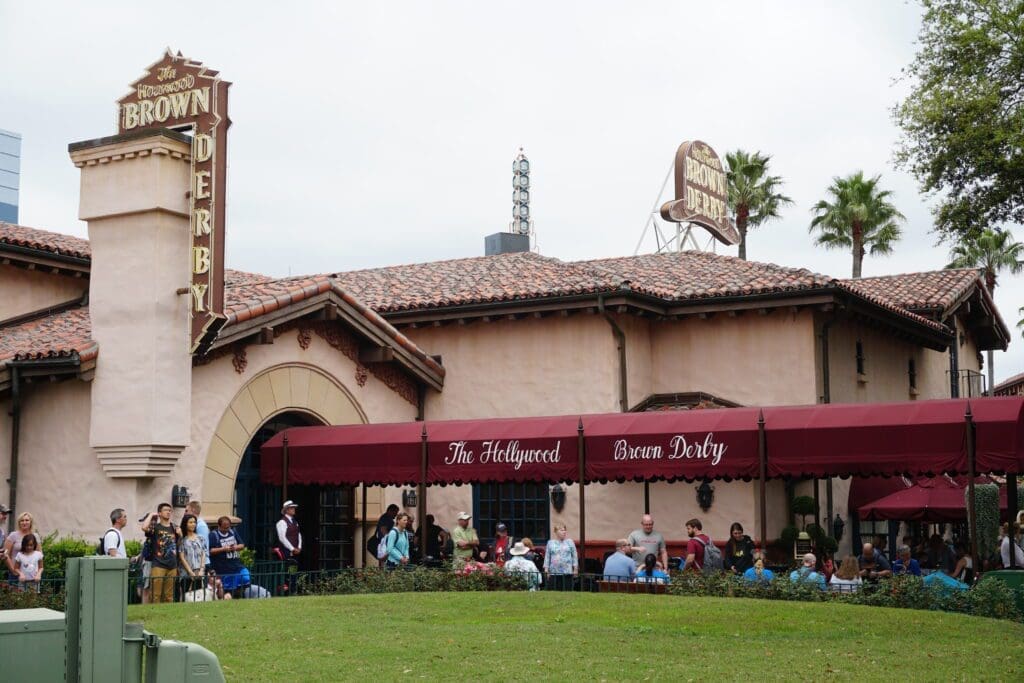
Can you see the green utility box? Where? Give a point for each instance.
(1014, 578)
(32, 641)
(171, 661)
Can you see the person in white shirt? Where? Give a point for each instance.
(113, 540)
(847, 577)
(520, 565)
(1004, 546)
(288, 536)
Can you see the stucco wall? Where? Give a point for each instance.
(23, 291)
(751, 359)
(63, 485)
(537, 367)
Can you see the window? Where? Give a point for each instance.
(525, 508)
(912, 375)
(860, 357)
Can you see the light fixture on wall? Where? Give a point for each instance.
(409, 498)
(705, 495)
(179, 496)
(558, 497)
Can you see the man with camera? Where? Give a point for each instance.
(164, 537)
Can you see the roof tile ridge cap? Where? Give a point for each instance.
(397, 266)
(936, 271)
(712, 256)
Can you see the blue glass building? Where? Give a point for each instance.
(10, 173)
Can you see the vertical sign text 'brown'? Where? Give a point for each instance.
(181, 94)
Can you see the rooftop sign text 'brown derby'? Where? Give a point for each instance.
(181, 94)
(701, 192)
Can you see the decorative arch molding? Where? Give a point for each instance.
(289, 387)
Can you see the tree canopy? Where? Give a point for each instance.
(857, 216)
(993, 251)
(754, 196)
(963, 120)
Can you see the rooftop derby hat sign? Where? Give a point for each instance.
(701, 192)
(183, 95)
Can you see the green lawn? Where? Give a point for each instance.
(532, 636)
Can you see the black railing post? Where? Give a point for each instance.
(762, 458)
(972, 521)
(581, 457)
(284, 468)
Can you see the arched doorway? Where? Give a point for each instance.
(326, 514)
(280, 397)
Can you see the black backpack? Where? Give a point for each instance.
(100, 549)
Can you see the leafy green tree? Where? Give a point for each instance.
(993, 251)
(963, 119)
(754, 196)
(858, 216)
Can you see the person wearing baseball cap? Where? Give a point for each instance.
(465, 540)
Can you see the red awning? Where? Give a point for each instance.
(929, 500)
(376, 454)
(678, 444)
(511, 449)
(1000, 434)
(864, 490)
(921, 438)
(913, 438)
(865, 439)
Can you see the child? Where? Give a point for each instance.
(29, 563)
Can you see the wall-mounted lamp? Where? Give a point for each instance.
(558, 497)
(179, 496)
(705, 495)
(409, 498)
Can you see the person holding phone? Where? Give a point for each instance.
(164, 537)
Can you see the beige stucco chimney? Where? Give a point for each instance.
(134, 195)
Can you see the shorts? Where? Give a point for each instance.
(234, 581)
(147, 567)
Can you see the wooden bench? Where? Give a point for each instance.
(630, 587)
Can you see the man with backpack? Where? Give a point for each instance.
(701, 554)
(112, 542)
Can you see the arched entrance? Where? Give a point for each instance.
(280, 397)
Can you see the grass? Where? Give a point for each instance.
(537, 636)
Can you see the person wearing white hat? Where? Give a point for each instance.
(518, 564)
(464, 539)
(288, 536)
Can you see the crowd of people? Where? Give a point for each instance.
(188, 561)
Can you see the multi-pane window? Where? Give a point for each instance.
(525, 508)
(860, 357)
(912, 374)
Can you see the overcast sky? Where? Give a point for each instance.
(369, 134)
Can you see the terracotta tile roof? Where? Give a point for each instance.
(60, 335)
(234, 278)
(482, 279)
(690, 275)
(1008, 383)
(935, 290)
(254, 296)
(673, 277)
(43, 240)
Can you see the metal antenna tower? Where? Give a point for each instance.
(522, 222)
(670, 237)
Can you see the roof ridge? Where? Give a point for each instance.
(976, 271)
(451, 260)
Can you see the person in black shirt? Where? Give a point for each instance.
(739, 551)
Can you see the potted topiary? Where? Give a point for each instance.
(803, 506)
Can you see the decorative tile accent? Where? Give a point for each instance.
(239, 360)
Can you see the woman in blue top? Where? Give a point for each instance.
(649, 574)
(758, 572)
(398, 543)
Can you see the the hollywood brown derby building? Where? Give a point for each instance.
(113, 394)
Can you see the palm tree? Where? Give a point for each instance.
(858, 216)
(753, 194)
(993, 251)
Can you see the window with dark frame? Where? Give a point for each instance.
(912, 373)
(524, 507)
(860, 357)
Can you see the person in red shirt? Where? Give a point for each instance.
(502, 544)
(695, 546)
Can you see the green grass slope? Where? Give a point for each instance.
(541, 636)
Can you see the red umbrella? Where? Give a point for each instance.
(937, 499)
